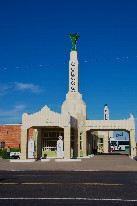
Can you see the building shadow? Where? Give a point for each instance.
(116, 153)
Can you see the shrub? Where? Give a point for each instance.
(15, 149)
(3, 153)
(0, 151)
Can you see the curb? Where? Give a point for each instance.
(26, 160)
(67, 160)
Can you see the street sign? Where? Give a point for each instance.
(2, 144)
(15, 154)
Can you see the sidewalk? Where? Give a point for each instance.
(96, 163)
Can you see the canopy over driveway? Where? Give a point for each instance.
(127, 125)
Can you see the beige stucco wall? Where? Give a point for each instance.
(67, 134)
(24, 144)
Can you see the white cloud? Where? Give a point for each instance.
(19, 107)
(33, 88)
(18, 86)
(17, 111)
(12, 116)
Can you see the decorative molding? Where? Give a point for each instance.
(46, 117)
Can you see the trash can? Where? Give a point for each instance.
(95, 151)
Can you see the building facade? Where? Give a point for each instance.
(72, 124)
(79, 134)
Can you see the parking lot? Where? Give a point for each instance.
(116, 161)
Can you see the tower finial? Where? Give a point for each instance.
(74, 39)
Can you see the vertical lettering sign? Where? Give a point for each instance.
(2, 144)
(73, 77)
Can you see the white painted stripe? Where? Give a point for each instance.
(45, 160)
(57, 183)
(84, 157)
(57, 198)
(28, 175)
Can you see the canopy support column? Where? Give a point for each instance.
(106, 138)
(67, 135)
(24, 144)
(132, 143)
(39, 144)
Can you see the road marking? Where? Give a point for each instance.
(58, 183)
(66, 183)
(77, 198)
(9, 183)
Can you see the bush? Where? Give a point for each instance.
(15, 149)
(0, 151)
(3, 153)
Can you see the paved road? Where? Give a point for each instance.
(68, 188)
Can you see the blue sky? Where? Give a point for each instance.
(35, 49)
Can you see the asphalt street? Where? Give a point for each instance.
(68, 188)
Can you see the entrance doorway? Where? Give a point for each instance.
(49, 142)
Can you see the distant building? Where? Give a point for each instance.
(11, 135)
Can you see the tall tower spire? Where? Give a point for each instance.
(74, 105)
(73, 66)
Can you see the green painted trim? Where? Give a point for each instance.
(102, 136)
(102, 149)
(71, 153)
(81, 153)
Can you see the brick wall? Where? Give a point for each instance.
(11, 135)
(30, 133)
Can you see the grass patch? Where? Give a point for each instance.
(54, 153)
(49, 153)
